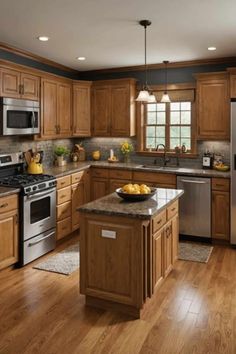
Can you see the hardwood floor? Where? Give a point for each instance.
(194, 312)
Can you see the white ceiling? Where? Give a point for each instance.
(107, 33)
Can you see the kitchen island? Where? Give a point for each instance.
(127, 249)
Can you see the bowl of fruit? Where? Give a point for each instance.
(221, 167)
(136, 192)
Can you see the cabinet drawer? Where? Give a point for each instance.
(63, 182)
(64, 195)
(159, 221)
(220, 184)
(63, 211)
(154, 177)
(172, 210)
(100, 172)
(63, 228)
(120, 174)
(77, 177)
(8, 203)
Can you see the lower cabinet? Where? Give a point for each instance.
(99, 188)
(9, 231)
(168, 249)
(78, 198)
(158, 273)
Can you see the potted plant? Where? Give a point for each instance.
(126, 149)
(61, 152)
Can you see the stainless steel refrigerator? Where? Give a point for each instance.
(233, 173)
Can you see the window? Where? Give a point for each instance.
(169, 124)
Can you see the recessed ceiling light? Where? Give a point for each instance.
(211, 48)
(81, 58)
(43, 38)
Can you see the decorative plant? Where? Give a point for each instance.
(61, 151)
(126, 148)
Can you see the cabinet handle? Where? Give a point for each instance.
(59, 129)
(4, 205)
(173, 209)
(19, 89)
(62, 183)
(219, 185)
(159, 221)
(63, 195)
(22, 89)
(64, 228)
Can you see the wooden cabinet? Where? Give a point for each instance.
(113, 107)
(161, 180)
(175, 238)
(213, 106)
(168, 249)
(99, 187)
(56, 109)
(158, 266)
(233, 85)
(16, 84)
(220, 209)
(81, 108)
(9, 231)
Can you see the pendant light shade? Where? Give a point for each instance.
(144, 95)
(165, 98)
(152, 98)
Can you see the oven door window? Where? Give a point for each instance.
(21, 119)
(40, 210)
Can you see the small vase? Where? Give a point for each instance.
(60, 161)
(127, 158)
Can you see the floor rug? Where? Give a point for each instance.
(194, 252)
(64, 262)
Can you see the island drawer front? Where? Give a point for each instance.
(63, 211)
(220, 184)
(8, 203)
(119, 174)
(77, 177)
(63, 228)
(100, 172)
(63, 182)
(63, 195)
(172, 210)
(159, 221)
(158, 178)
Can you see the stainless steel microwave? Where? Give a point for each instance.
(19, 117)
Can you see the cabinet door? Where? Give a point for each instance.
(49, 108)
(213, 108)
(117, 183)
(220, 215)
(120, 111)
(101, 111)
(175, 238)
(8, 238)
(233, 86)
(99, 188)
(158, 269)
(30, 87)
(168, 257)
(10, 84)
(81, 110)
(64, 109)
(78, 199)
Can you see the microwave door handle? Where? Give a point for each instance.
(33, 120)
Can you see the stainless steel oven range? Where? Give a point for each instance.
(37, 208)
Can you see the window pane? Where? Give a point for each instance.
(160, 132)
(185, 132)
(174, 142)
(151, 132)
(161, 117)
(174, 132)
(186, 142)
(161, 107)
(151, 118)
(151, 107)
(174, 117)
(150, 143)
(185, 117)
(160, 141)
(185, 106)
(175, 106)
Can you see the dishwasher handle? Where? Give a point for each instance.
(194, 182)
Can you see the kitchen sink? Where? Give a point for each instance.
(160, 168)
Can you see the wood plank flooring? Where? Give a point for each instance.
(193, 313)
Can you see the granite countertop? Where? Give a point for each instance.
(4, 191)
(79, 166)
(112, 204)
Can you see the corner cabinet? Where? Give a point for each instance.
(113, 108)
(213, 106)
(81, 108)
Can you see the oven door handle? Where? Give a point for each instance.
(41, 239)
(40, 194)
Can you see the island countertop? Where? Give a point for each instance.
(112, 204)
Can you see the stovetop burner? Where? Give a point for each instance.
(23, 180)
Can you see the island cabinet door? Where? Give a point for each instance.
(78, 198)
(168, 249)
(111, 259)
(158, 267)
(175, 237)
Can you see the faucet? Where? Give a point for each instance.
(165, 159)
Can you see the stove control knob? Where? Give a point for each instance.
(34, 188)
(28, 190)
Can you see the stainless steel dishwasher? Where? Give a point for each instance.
(195, 206)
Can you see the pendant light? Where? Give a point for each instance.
(165, 98)
(144, 94)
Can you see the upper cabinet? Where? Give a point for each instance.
(232, 81)
(16, 84)
(213, 106)
(113, 107)
(81, 108)
(56, 108)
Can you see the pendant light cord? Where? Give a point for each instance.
(145, 54)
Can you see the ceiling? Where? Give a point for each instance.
(107, 33)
